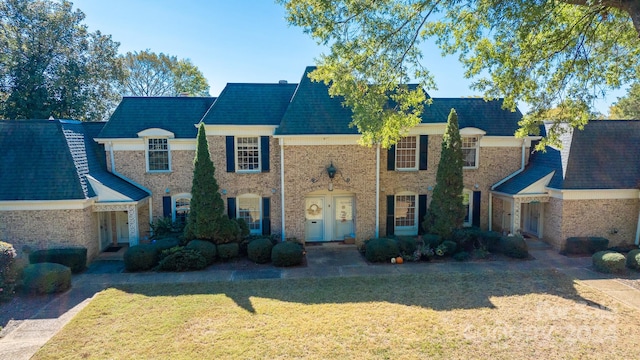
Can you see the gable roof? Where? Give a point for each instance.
(176, 114)
(50, 160)
(602, 156)
(250, 104)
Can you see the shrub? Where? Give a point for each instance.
(432, 240)
(182, 259)
(46, 278)
(381, 250)
(243, 227)
(141, 257)
(7, 254)
(206, 248)
(287, 253)
(165, 243)
(165, 227)
(228, 251)
(514, 246)
(73, 258)
(491, 241)
(584, 245)
(461, 256)
(608, 261)
(406, 244)
(633, 259)
(228, 232)
(447, 247)
(259, 250)
(466, 238)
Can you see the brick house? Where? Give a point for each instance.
(291, 144)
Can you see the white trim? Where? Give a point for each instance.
(183, 144)
(307, 140)
(538, 187)
(500, 141)
(428, 129)
(105, 193)
(472, 131)
(594, 194)
(21, 205)
(416, 159)
(156, 133)
(140, 144)
(240, 130)
(406, 230)
(146, 154)
(477, 148)
(173, 203)
(235, 155)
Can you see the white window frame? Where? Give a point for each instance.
(174, 204)
(147, 141)
(406, 230)
(416, 150)
(258, 230)
(237, 155)
(475, 148)
(469, 214)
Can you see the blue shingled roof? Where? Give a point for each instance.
(176, 114)
(49, 160)
(250, 104)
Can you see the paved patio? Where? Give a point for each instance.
(23, 337)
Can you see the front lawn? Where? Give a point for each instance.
(540, 314)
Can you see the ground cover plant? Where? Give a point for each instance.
(439, 315)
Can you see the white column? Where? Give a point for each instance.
(132, 213)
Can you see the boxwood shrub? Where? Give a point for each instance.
(381, 250)
(432, 240)
(514, 246)
(287, 253)
(46, 278)
(182, 259)
(406, 244)
(608, 261)
(633, 259)
(259, 250)
(228, 251)
(141, 257)
(74, 258)
(491, 241)
(206, 248)
(165, 243)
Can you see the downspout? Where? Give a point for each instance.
(522, 164)
(281, 141)
(377, 190)
(638, 228)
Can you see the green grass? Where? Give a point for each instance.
(512, 315)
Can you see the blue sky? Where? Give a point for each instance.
(237, 40)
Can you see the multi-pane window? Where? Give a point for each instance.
(405, 211)
(249, 210)
(470, 150)
(406, 153)
(247, 154)
(158, 154)
(182, 210)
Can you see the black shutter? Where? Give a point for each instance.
(475, 217)
(391, 158)
(422, 212)
(264, 153)
(266, 216)
(166, 206)
(231, 154)
(391, 205)
(424, 149)
(231, 207)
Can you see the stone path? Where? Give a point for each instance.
(21, 338)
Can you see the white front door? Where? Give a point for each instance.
(122, 227)
(329, 216)
(343, 209)
(105, 229)
(314, 215)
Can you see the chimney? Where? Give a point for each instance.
(184, 94)
(283, 82)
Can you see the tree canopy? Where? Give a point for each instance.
(628, 106)
(545, 53)
(50, 65)
(151, 74)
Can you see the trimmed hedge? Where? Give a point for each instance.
(514, 246)
(182, 259)
(206, 248)
(608, 261)
(633, 259)
(406, 244)
(584, 245)
(74, 258)
(228, 251)
(165, 244)
(141, 257)
(287, 253)
(259, 250)
(381, 250)
(432, 240)
(46, 278)
(491, 241)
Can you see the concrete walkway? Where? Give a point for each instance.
(21, 339)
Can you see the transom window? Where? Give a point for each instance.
(406, 153)
(405, 211)
(181, 210)
(247, 154)
(250, 210)
(158, 154)
(470, 151)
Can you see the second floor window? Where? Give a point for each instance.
(470, 151)
(158, 155)
(406, 153)
(247, 154)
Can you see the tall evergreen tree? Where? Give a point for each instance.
(446, 211)
(206, 211)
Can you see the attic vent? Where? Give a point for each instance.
(282, 82)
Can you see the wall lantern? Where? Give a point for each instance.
(331, 170)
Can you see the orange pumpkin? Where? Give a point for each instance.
(399, 260)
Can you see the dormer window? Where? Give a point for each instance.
(157, 150)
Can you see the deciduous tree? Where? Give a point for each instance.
(628, 106)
